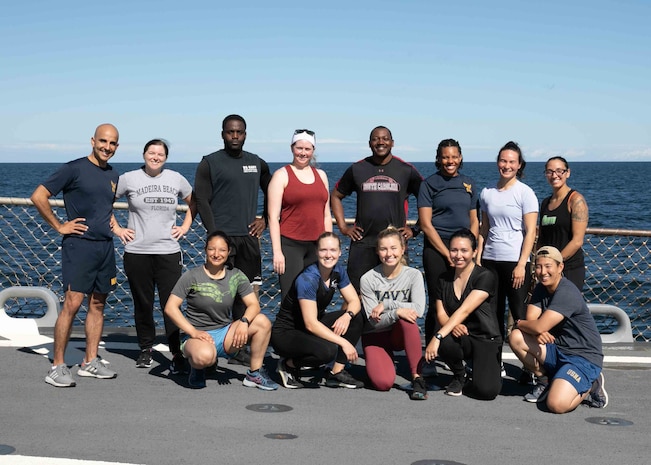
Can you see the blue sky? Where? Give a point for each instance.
(564, 78)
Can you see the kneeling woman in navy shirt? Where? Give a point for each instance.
(304, 334)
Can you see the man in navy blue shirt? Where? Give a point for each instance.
(87, 254)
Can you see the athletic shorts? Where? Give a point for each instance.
(578, 371)
(245, 255)
(88, 266)
(218, 335)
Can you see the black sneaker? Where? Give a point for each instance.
(197, 378)
(290, 377)
(538, 393)
(598, 397)
(178, 365)
(243, 357)
(419, 389)
(455, 388)
(342, 379)
(144, 359)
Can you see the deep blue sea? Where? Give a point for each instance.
(617, 193)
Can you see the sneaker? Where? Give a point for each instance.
(144, 359)
(502, 371)
(455, 388)
(342, 379)
(290, 377)
(178, 365)
(197, 378)
(429, 370)
(419, 389)
(259, 379)
(96, 369)
(242, 357)
(527, 378)
(538, 393)
(598, 397)
(60, 376)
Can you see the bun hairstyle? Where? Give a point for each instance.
(392, 231)
(439, 151)
(510, 145)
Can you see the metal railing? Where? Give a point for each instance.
(617, 263)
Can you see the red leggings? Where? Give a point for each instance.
(379, 348)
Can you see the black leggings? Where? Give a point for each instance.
(435, 265)
(518, 298)
(298, 255)
(306, 349)
(485, 355)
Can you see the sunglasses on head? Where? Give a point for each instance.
(301, 131)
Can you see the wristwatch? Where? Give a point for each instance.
(438, 336)
(351, 314)
(245, 320)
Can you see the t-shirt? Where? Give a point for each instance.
(505, 210)
(227, 188)
(451, 199)
(482, 322)
(210, 301)
(152, 209)
(407, 290)
(577, 334)
(308, 285)
(382, 192)
(88, 192)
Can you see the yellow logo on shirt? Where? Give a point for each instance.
(468, 187)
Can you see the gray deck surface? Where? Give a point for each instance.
(145, 416)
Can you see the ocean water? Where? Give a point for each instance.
(616, 193)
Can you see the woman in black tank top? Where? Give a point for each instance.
(563, 220)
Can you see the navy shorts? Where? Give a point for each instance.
(88, 266)
(575, 369)
(245, 255)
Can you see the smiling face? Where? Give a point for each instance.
(217, 252)
(381, 143)
(328, 252)
(450, 161)
(556, 172)
(104, 143)
(155, 158)
(508, 164)
(303, 152)
(549, 272)
(390, 250)
(461, 252)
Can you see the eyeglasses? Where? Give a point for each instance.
(559, 172)
(301, 131)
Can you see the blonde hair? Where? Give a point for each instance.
(392, 231)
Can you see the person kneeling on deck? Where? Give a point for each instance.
(207, 327)
(559, 339)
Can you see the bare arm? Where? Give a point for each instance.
(579, 211)
(483, 235)
(40, 198)
(259, 224)
(313, 325)
(354, 232)
(474, 222)
(327, 216)
(529, 220)
(180, 231)
(275, 198)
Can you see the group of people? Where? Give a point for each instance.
(476, 256)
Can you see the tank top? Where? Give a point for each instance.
(556, 229)
(301, 214)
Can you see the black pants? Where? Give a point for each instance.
(518, 298)
(435, 265)
(146, 273)
(298, 255)
(306, 349)
(486, 359)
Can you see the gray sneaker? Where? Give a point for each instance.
(598, 397)
(60, 376)
(538, 393)
(96, 369)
